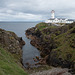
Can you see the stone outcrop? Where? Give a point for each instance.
(50, 41)
(11, 42)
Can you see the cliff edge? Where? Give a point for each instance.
(11, 53)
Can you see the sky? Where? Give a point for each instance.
(35, 10)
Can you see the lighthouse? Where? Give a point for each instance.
(52, 14)
(58, 20)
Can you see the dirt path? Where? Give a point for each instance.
(54, 71)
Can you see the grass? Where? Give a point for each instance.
(8, 66)
(41, 26)
(65, 41)
(39, 69)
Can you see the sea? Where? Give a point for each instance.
(29, 51)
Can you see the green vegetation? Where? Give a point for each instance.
(41, 26)
(66, 45)
(61, 23)
(8, 65)
(59, 39)
(39, 69)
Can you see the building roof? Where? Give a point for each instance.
(61, 19)
(51, 19)
(56, 18)
(70, 20)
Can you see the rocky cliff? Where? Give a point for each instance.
(11, 54)
(57, 44)
(11, 42)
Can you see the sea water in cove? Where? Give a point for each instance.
(29, 51)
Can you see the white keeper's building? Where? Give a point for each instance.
(58, 20)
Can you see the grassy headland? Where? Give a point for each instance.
(56, 43)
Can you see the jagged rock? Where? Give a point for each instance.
(49, 40)
(35, 59)
(11, 42)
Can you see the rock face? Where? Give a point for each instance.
(57, 44)
(11, 42)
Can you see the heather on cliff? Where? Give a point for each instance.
(56, 43)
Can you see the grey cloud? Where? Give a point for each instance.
(63, 8)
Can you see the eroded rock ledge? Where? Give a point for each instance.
(11, 42)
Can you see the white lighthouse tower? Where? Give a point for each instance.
(52, 14)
